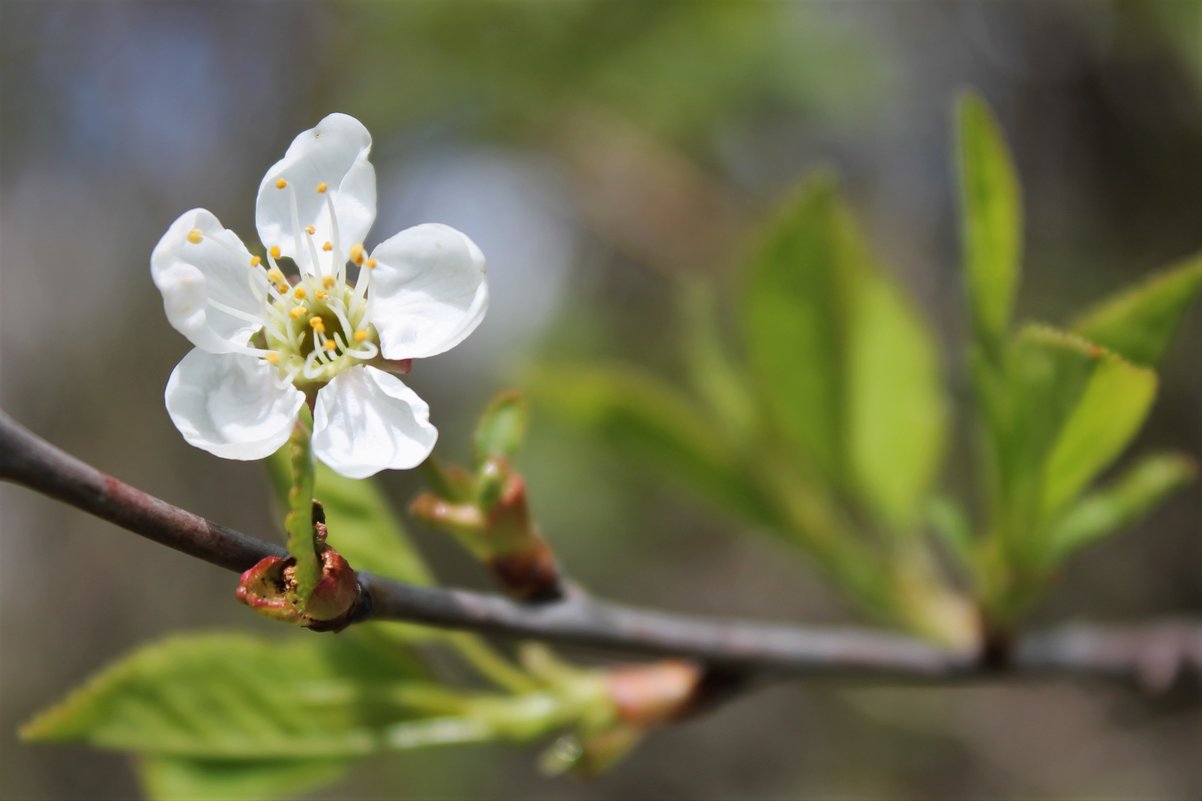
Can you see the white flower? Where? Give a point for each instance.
(266, 344)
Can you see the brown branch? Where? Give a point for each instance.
(1152, 655)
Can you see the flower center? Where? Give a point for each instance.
(315, 323)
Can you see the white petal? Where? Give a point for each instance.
(231, 405)
(215, 268)
(334, 153)
(429, 290)
(366, 421)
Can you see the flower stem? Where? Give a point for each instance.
(299, 521)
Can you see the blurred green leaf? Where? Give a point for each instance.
(950, 523)
(1070, 409)
(714, 374)
(897, 416)
(168, 778)
(800, 286)
(502, 427)
(1139, 490)
(991, 219)
(1139, 322)
(1136, 492)
(234, 697)
(847, 367)
(648, 422)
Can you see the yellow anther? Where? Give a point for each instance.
(275, 251)
(194, 236)
(281, 288)
(357, 253)
(272, 358)
(317, 323)
(310, 230)
(328, 282)
(360, 336)
(330, 345)
(321, 294)
(371, 264)
(275, 276)
(280, 184)
(297, 312)
(322, 187)
(255, 261)
(327, 246)
(299, 292)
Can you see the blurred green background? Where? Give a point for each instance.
(598, 152)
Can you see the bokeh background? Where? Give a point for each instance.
(598, 152)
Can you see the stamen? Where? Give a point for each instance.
(232, 312)
(371, 264)
(280, 184)
(317, 324)
(321, 294)
(329, 281)
(296, 237)
(360, 336)
(275, 251)
(276, 276)
(195, 235)
(357, 253)
(330, 345)
(338, 266)
(255, 261)
(327, 246)
(299, 292)
(297, 312)
(272, 358)
(322, 187)
(310, 230)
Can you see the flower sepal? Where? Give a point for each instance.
(338, 600)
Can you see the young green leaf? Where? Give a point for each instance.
(800, 285)
(1139, 322)
(648, 422)
(502, 428)
(847, 366)
(897, 415)
(168, 778)
(1139, 490)
(234, 697)
(991, 211)
(1070, 407)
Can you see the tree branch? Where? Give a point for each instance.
(1152, 655)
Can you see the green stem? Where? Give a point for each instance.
(299, 520)
(491, 665)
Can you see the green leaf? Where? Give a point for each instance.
(1139, 490)
(713, 373)
(648, 422)
(848, 368)
(897, 415)
(502, 428)
(234, 697)
(166, 778)
(799, 289)
(1139, 322)
(991, 221)
(1070, 409)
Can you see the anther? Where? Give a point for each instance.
(310, 230)
(275, 276)
(280, 184)
(255, 261)
(317, 324)
(275, 251)
(321, 294)
(194, 236)
(327, 246)
(360, 336)
(299, 292)
(371, 264)
(330, 345)
(357, 253)
(297, 312)
(329, 281)
(322, 187)
(272, 357)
